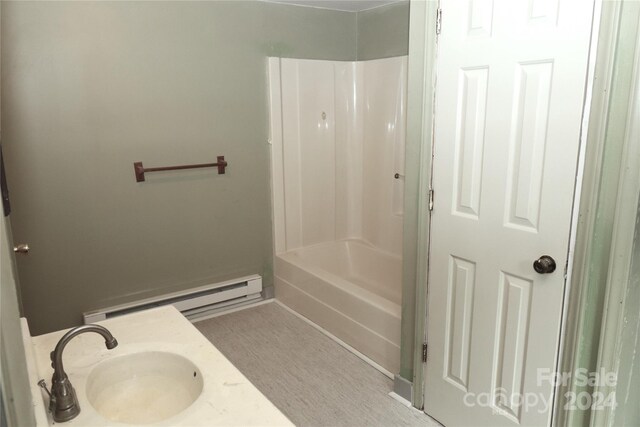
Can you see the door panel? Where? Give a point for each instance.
(510, 87)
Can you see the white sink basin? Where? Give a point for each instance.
(143, 388)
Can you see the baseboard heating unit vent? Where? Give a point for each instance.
(194, 303)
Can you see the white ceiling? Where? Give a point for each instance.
(346, 5)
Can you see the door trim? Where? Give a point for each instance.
(583, 195)
(613, 322)
(420, 104)
(594, 220)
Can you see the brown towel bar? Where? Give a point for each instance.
(221, 164)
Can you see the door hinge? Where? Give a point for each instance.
(439, 21)
(431, 200)
(424, 352)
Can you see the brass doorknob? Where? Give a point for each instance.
(544, 265)
(22, 248)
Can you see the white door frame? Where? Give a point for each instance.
(612, 338)
(609, 105)
(420, 104)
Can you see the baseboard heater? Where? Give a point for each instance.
(194, 304)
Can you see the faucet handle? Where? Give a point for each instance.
(52, 398)
(43, 385)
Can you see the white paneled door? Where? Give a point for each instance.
(511, 77)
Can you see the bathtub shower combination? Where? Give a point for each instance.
(338, 138)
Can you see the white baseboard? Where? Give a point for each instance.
(403, 388)
(233, 310)
(400, 399)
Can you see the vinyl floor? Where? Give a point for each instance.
(313, 380)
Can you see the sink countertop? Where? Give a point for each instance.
(228, 398)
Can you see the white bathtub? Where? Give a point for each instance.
(350, 289)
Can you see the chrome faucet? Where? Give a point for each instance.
(63, 402)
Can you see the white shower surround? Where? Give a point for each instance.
(338, 138)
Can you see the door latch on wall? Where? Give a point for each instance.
(424, 352)
(439, 21)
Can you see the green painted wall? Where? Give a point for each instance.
(88, 88)
(383, 31)
(309, 33)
